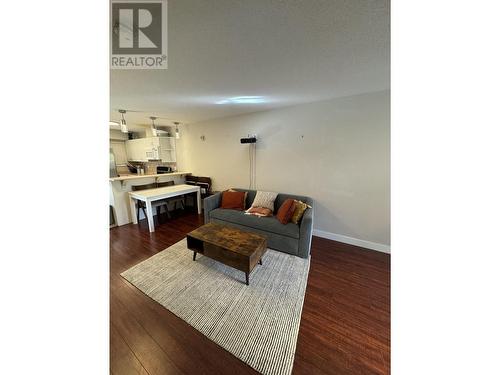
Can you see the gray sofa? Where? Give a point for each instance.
(290, 238)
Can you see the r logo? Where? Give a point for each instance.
(137, 28)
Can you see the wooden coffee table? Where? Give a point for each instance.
(233, 247)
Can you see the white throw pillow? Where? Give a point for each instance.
(265, 199)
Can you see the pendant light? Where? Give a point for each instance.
(177, 134)
(123, 123)
(153, 126)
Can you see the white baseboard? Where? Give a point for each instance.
(353, 241)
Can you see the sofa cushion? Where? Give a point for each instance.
(233, 199)
(281, 198)
(265, 199)
(286, 211)
(300, 208)
(269, 224)
(250, 195)
(259, 211)
(245, 200)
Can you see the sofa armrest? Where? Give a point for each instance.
(211, 203)
(305, 233)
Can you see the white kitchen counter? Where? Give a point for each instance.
(137, 176)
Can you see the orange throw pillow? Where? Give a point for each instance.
(233, 200)
(286, 211)
(259, 211)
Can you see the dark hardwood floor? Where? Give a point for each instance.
(345, 325)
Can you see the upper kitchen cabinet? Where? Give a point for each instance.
(151, 148)
(136, 149)
(166, 149)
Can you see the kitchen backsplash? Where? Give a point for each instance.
(149, 167)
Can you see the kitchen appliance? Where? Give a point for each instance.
(163, 169)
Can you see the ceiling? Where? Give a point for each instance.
(285, 52)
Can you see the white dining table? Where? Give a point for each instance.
(151, 195)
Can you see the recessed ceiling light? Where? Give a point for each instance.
(243, 100)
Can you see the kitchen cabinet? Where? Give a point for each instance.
(136, 149)
(166, 149)
(151, 148)
(119, 151)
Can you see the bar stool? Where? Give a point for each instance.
(174, 199)
(141, 205)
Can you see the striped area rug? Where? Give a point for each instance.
(258, 323)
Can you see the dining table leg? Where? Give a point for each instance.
(149, 211)
(198, 201)
(132, 210)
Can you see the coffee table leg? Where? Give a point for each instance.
(246, 277)
(194, 255)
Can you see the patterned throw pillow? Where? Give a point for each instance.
(285, 212)
(265, 199)
(259, 211)
(300, 208)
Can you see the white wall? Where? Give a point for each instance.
(336, 151)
